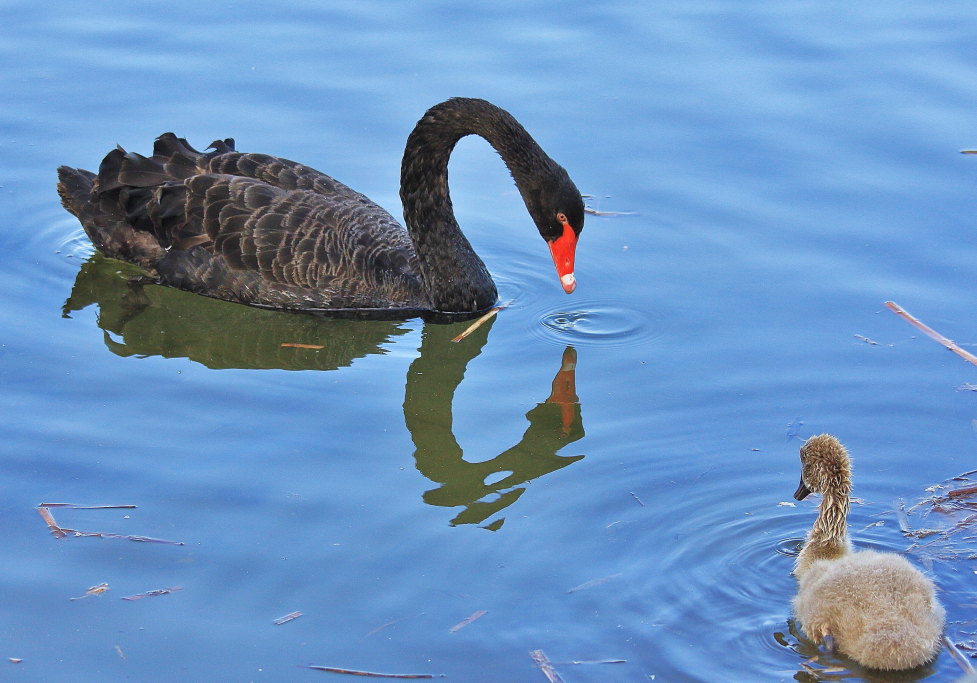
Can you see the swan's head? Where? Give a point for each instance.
(557, 209)
(825, 467)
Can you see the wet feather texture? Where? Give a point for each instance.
(878, 608)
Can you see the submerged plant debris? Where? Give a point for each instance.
(60, 532)
(94, 590)
(153, 593)
(944, 521)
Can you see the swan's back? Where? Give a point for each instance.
(880, 609)
(250, 228)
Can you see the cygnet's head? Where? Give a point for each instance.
(825, 466)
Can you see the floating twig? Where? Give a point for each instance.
(577, 662)
(14, 660)
(52, 525)
(383, 626)
(946, 533)
(543, 662)
(153, 593)
(930, 332)
(481, 321)
(72, 506)
(124, 537)
(592, 583)
(966, 491)
(962, 662)
(635, 496)
(293, 345)
(63, 532)
(119, 651)
(287, 618)
(94, 590)
(370, 674)
(467, 620)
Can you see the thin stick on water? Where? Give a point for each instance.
(60, 532)
(467, 620)
(929, 331)
(94, 590)
(957, 656)
(87, 507)
(52, 525)
(368, 674)
(153, 593)
(594, 582)
(481, 321)
(544, 664)
(966, 491)
(389, 623)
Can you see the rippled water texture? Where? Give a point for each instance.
(600, 476)
(599, 324)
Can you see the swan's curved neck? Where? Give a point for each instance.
(455, 277)
(828, 538)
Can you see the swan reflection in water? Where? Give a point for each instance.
(148, 320)
(431, 382)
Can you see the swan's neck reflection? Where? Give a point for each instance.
(160, 321)
(483, 488)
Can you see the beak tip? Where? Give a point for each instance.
(569, 283)
(802, 491)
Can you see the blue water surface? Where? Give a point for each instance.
(601, 476)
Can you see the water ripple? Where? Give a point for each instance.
(599, 323)
(75, 244)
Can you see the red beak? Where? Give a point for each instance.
(562, 249)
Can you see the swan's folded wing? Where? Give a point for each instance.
(273, 246)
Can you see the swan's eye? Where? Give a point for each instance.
(562, 217)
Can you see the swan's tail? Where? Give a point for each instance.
(104, 222)
(111, 205)
(903, 645)
(75, 188)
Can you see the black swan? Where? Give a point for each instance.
(269, 232)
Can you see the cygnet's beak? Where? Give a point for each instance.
(802, 491)
(562, 250)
